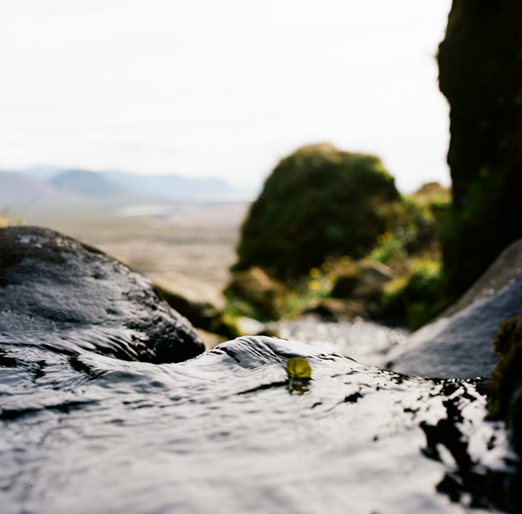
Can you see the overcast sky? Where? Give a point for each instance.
(221, 88)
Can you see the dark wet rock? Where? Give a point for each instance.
(52, 284)
(515, 419)
(225, 433)
(480, 74)
(459, 343)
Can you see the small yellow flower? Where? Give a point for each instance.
(314, 273)
(314, 285)
(383, 238)
(326, 266)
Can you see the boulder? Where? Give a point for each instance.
(365, 281)
(458, 344)
(356, 293)
(52, 284)
(202, 304)
(264, 294)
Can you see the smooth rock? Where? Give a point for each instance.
(458, 343)
(51, 284)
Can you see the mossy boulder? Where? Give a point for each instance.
(360, 279)
(318, 202)
(254, 294)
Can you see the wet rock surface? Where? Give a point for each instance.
(459, 343)
(223, 433)
(61, 290)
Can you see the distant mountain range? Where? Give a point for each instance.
(87, 183)
(59, 188)
(172, 187)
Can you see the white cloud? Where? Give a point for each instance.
(221, 88)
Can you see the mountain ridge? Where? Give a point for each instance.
(60, 189)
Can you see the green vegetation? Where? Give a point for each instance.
(254, 294)
(415, 297)
(6, 220)
(507, 377)
(330, 234)
(318, 203)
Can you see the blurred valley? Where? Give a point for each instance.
(155, 224)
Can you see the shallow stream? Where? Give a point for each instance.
(222, 433)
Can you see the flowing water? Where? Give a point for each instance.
(222, 433)
(366, 341)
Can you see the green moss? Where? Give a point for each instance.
(507, 376)
(323, 207)
(309, 290)
(414, 298)
(252, 293)
(417, 230)
(318, 202)
(389, 249)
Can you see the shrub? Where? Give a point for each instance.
(318, 202)
(254, 294)
(414, 299)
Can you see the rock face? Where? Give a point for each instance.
(459, 343)
(480, 65)
(52, 284)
